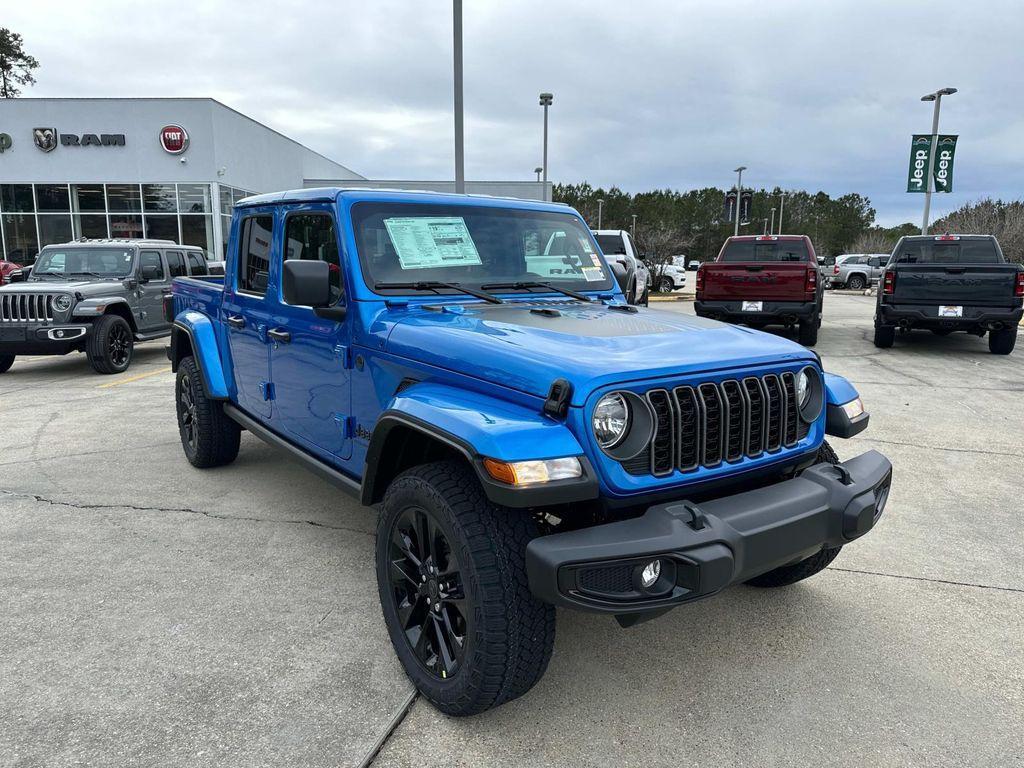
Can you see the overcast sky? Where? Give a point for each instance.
(818, 95)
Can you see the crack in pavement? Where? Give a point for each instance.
(928, 579)
(396, 721)
(1009, 454)
(182, 510)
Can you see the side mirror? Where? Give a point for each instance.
(150, 272)
(307, 283)
(642, 257)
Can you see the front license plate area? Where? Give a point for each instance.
(753, 306)
(12, 334)
(948, 310)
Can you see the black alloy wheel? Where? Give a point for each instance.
(427, 592)
(187, 411)
(119, 345)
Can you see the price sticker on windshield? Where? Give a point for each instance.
(951, 311)
(425, 242)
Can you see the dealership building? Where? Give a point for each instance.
(155, 168)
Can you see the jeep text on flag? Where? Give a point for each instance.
(920, 154)
(943, 176)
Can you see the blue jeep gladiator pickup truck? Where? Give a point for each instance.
(532, 440)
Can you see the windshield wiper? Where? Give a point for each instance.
(548, 286)
(434, 285)
(90, 274)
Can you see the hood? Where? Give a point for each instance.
(86, 289)
(528, 345)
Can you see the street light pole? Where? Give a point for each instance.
(739, 197)
(782, 203)
(632, 229)
(545, 101)
(460, 168)
(600, 205)
(538, 170)
(771, 229)
(937, 98)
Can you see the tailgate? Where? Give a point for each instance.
(755, 280)
(957, 284)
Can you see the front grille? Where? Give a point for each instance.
(719, 422)
(26, 307)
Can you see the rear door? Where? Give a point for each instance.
(766, 268)
(151, 294)
(246, 311)
(953, 271)
(309, 354)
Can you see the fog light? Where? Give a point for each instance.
(650, 574)
(59, 334)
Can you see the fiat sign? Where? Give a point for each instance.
(174, 139)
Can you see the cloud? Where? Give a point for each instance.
(815, 95)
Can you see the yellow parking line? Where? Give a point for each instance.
(130, 379)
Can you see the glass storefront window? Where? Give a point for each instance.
(91, 226)
(238, 194)
(126, 226)
(159, 197)
(52, 197)
(194, 198)
(162, 228)
(225, 233)
(16, 198)
(124, 197)
(54, 228)
(88, 197)
(225, 200)
(198, 230)
(20, 238)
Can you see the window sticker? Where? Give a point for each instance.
(593, 274)
(426, 242)
(586, 245)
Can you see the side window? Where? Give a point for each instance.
(152, 259)
(176, 264)
(254, 253)
(311, 236)
(196, 264)
(875, 261)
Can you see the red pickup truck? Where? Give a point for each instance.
(763, 280)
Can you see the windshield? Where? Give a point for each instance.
(981, 251)
(473, 246)
(765, 250)
(90, 262)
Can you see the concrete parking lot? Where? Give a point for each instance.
(158, 615)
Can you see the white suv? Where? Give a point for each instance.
(670, 276)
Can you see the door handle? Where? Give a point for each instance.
(279, 335)
(235, 321)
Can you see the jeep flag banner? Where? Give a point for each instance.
(729, 205)
(943, 176)
(920, 156)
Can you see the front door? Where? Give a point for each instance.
(309, 354)
(245, 311)
(151, 293)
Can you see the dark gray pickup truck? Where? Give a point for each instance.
(947, 283)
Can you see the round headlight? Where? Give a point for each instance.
(62, 303)
(611, 420)
(803, 389)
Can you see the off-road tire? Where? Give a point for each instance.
(510, 634)
(790, 574)
(216, 436)
(856, 283)
(885, 336)
(101, 355)
(6, 361)
(808, 332)
(665, 285)
(1003, 341)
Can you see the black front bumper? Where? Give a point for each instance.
(43, 339)
(705, 548)
(772, 312)
(927, 316)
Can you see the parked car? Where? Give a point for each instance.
(670, 276)
(631, 270)
(6, 269)
(763, 280)
(93, 296)
(531, 443)
(693, 265)
(857, 271)
(948, 283)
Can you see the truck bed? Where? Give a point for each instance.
(202, 294)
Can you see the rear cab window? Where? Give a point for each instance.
(611, 245)
(765, 250)
(959, 251)
(254, 253)
(176, 264)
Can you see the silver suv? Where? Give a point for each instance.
(857, 271)
(94, 296)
